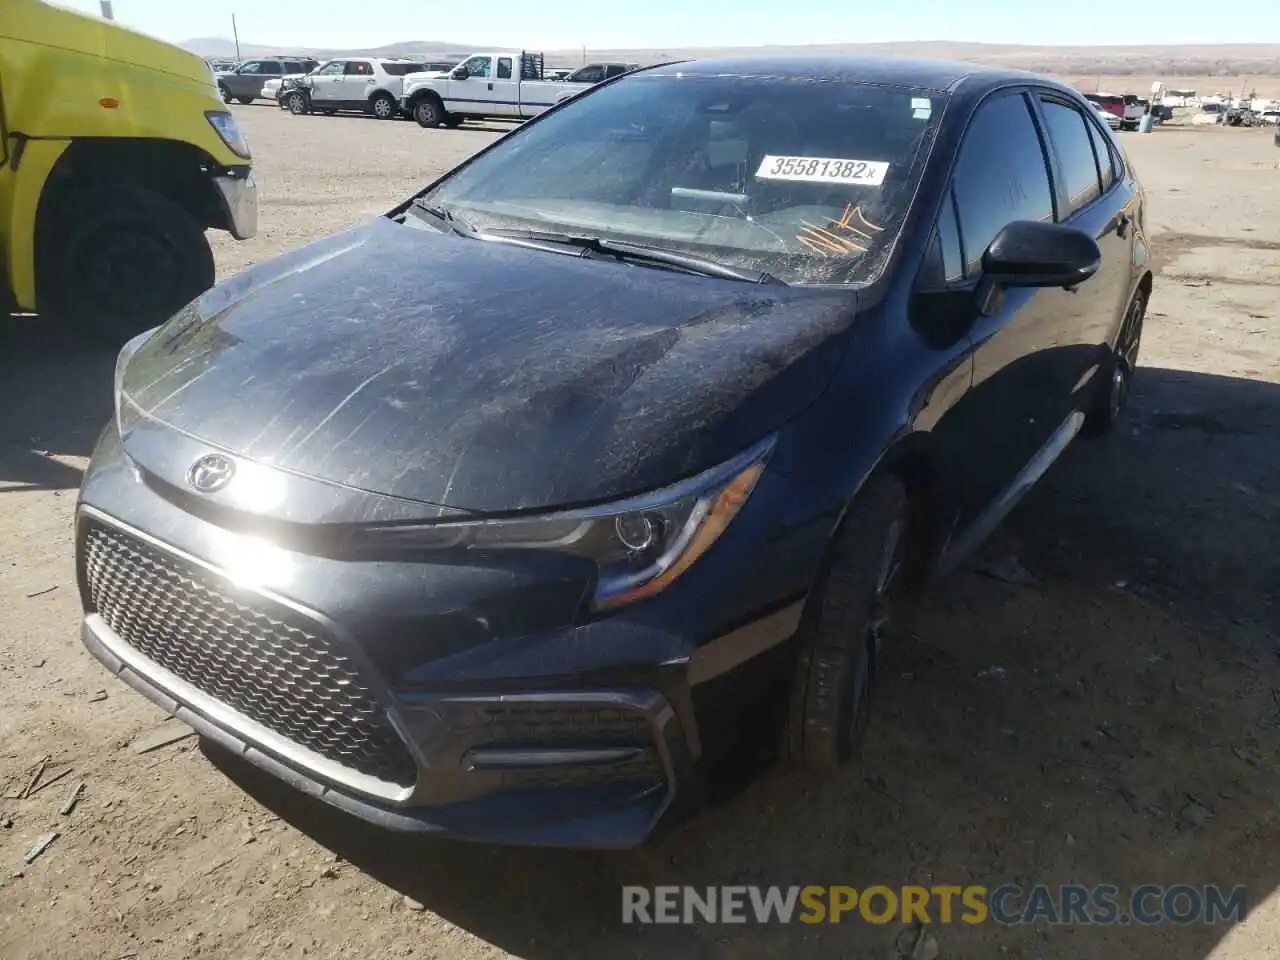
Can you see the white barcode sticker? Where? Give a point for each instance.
(864, 173)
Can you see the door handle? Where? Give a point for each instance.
(490, 86)
(1122, 225)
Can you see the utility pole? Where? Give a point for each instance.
(107, 12)
(235, 33)
(584, 54)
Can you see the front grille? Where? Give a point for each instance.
(271, 665)
(558, 723)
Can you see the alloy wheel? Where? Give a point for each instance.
(875, 630)
(1126, 363)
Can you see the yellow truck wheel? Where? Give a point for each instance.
(120, 260)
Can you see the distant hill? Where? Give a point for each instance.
(1179, 60)
(222, 47)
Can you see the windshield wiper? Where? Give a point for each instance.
(641, 253)
(445, 218)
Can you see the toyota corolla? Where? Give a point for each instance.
(503, 514)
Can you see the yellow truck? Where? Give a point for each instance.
(116, 155)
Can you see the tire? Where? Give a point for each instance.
(383, 106)
(118, 260)
(225, 94)
(844, 626)
(246, 100)
(296, 103)
(1116, 386)
(429, 112)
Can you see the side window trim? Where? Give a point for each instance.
(950, 201)
(1057, 181)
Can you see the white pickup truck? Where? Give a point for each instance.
(510, 86)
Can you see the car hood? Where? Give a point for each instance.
(482, 376)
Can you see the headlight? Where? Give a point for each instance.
(640, 546)
(229, 131)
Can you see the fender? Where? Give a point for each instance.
(38, 159)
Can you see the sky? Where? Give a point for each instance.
(663, 24)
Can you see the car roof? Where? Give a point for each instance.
(940, 75)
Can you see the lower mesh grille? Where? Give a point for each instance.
(272, 666)
(548, 725)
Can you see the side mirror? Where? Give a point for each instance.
(459, 73)
(1032, 253)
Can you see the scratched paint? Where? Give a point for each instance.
(483, 376)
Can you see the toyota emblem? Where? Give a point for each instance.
(211, 472)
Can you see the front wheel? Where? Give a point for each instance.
(225, 94)
(245, 100)
(845, 622)
(429, 112)
(296, 102)
(119, 260)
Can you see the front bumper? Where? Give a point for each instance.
(598, 815)
(238, 191)
(457, 710)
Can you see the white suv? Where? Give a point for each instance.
(369, 84)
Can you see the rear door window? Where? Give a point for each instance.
(1102, 149)
(1001, 175)
(1069, 135)
(358, 68)
(504, 68)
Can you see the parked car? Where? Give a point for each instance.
(368, 84)
(245, 83)
(271, 89)
(1107, 117)
(486, 86)
(1125, 106)
(598, 72)
(507, 514)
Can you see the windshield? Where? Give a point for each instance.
(807, 180)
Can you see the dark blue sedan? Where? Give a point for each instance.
(508, 514)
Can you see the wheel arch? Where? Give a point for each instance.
(174, 169)
(911, 459)
(427, 93)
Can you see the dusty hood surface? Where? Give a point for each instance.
(483, 376)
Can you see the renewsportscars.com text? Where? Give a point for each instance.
(1008, 904)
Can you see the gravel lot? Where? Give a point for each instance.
(1110, 715)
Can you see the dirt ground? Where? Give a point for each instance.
(1107, 710)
